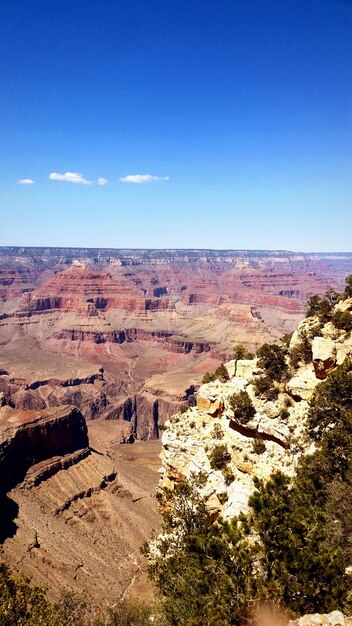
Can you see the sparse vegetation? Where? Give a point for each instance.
(24, 604)
(272, 360)
(258, 446)
(348, 288)
(301, 353)
(228, 475)
(217, 432)
(285, 339)
(220, 374)
(207, 378)
(342, 320)
(219, 457)
(322, 306)
(241, 352)
(265, 388)
(242, 406)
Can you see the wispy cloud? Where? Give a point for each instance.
(70, 177)
(139, 179)
(102, 181)
(25, 181)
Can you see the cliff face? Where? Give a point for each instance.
(29, 437)
(154, 320)
(272, 439)
(72, 516)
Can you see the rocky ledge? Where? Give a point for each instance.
(272, 438)
(31, 437)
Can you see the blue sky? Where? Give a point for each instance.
(237, 113)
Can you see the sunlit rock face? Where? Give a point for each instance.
(273, 438)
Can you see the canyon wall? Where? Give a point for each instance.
(107, 330)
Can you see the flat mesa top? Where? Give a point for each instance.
(11, 418)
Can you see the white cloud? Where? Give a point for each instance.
(139, 179)
(102, 181)
(71, 177)
(25, 181)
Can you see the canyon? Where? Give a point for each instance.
(128, 334)
(75, 506)
(104, 348)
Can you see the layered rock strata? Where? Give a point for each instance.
(73, 517)
(29, 437)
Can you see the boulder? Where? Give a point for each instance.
(336, 618)
(246, 368)
(324, 356)
(303, 383)
(210, 405)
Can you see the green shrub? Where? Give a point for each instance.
(306, 551)
(221, 373)
(241, 352)
(204, 572)
(285, 339)
(272, 361)
(217, 433)
(208, 378)
(265, 388)
(258, 446)
(342, 320)
(219, 457)
(301, 569)
(228, 475)
(322, 306)
(242, 406)
(348, 288)
(301, 353)
(331, 405)
(22, 604)
(284, 415)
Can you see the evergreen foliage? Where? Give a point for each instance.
(219, 457)
(242, 406)
(305, 526)
(322, 306)
(241, 352)
(301, 353)
(272, 360)
(348, 288)
(264, 387)
(342, 320)
(22, 604)
(220, 374)
(204, 571)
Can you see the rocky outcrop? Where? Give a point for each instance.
(29, 437)
(324, 356)
(336, 618)
(74, 520)
(166, 338)
(271, 438)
